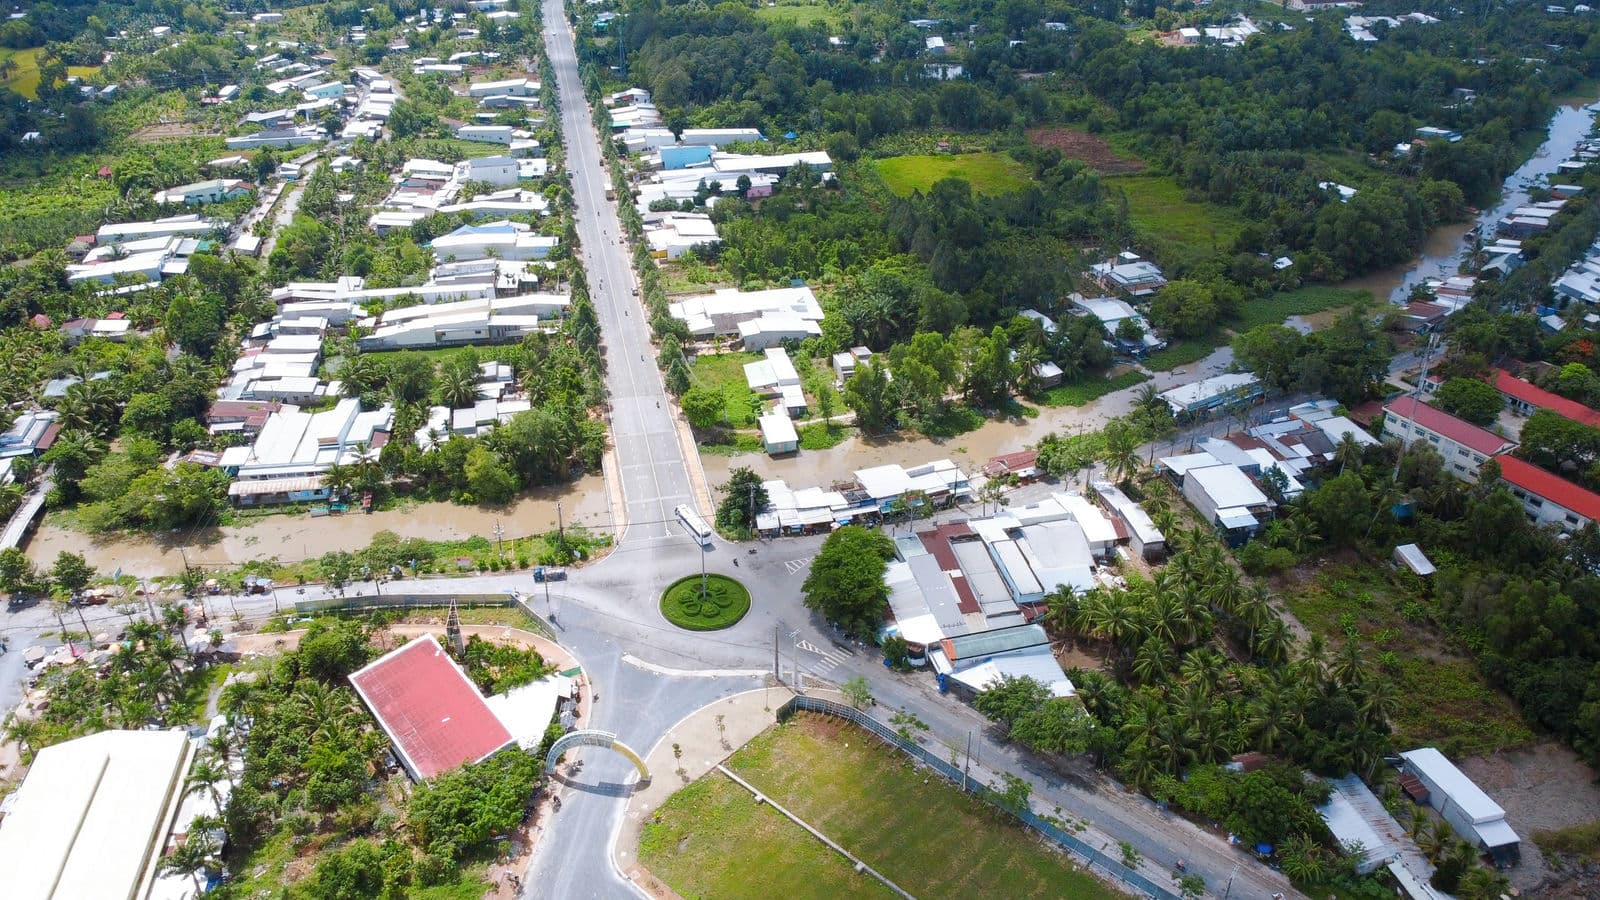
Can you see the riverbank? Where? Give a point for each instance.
(292, 538)
(1445, 247)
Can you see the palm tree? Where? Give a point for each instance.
(1347, 452)
(205, 775)
(1273, 642)
(359, 374)
(1301, 534)
(1121, 452)
(338, 478)
(1061, 609)
(458, 387)
(1154, 660)
(1026, 360)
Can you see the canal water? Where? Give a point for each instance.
(1446, 247)
(292, 537)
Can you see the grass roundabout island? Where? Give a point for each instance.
(725, 602)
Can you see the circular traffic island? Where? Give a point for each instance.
(725, 602)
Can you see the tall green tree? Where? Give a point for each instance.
(846, 582)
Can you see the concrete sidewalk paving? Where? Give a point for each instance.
(704, 746)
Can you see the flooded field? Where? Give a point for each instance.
(296, 537)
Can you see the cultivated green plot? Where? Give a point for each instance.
(988, 173)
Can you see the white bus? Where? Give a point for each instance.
(698, 529)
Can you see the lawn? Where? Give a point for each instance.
(1182, 230)
(723, 602)
(802, 14)
(988, 173)
(708, 839)
(725, 372)
(1082, 393)
(712, 840)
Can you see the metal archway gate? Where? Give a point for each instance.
(589, 738)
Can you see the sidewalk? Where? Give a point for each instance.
(743, 717)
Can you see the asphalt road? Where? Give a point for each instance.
(651, 464)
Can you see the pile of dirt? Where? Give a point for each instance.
(1085, 147)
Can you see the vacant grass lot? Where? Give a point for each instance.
(988, 173)
(24, 78)
(711, 840)
(725, 372)
(1307, 301)
(802, 14)
(1274, 310)
(1444, 700)
(1181, 229)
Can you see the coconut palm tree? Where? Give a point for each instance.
(1347, 452)
(458, 387)
(1061, 609)
(1301, 534)
(205, 775)
(359, 374)
(1154, 661)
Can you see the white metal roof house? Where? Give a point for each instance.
(778, 434)
(92, 815)
(502, 240)
(1464, 805)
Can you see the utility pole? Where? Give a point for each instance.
(1230, 881)
(561, 530)
(777, 667)
(499, 540)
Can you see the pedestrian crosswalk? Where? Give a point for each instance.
(825, 661)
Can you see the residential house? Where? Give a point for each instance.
(1130, 274)
(1214, 392)
(674, 234)
(215, 190)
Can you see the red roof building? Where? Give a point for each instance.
(432, 713)
(1464, 446)
(1525, 398)
(1021, 464)
(1549, 498)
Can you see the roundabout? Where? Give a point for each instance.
(721, 604)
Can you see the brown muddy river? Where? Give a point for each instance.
(295, 537)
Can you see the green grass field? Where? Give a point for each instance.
(1182, 229)
(1182, 353)
(1082, 393)
(1306, 301)
(725, 372)
(712, 840)
(718, 603)
(802, 14)
(989, 173)
(1444, 700)
(24, 78)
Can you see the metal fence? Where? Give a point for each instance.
(393, 600)
(1133, 880)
